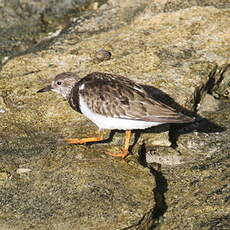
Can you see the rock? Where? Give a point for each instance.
(156, 136)
(172, 49)
(163, 156)
(208, 104)
(4, 176)
(198, 195)
(223, 88)
(194, 194)
(2, 105)
(23, 170)
(181, 75)
(63, 191)
(24, 23)
(102, 55)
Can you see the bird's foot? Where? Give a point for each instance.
(82, 140)
(123, 153)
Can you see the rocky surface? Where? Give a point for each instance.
(62, 187)
(24, 23)
(179, 47)
(195, 194)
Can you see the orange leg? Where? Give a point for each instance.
(84, 140)
(125, 151)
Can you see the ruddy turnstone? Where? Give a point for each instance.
(112, 102)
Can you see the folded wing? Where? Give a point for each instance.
(118, 97)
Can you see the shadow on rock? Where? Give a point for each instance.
(200, 124)
(160, 189)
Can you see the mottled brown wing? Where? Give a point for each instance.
(118, 97)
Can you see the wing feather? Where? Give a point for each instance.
(118, 97)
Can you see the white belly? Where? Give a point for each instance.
(104, 122)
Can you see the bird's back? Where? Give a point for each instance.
(115, 96)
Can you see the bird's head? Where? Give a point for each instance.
(62, 84)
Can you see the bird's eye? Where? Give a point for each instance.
(58, 82)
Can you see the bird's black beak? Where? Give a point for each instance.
(46, 89)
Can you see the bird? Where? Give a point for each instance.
(112, 102)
